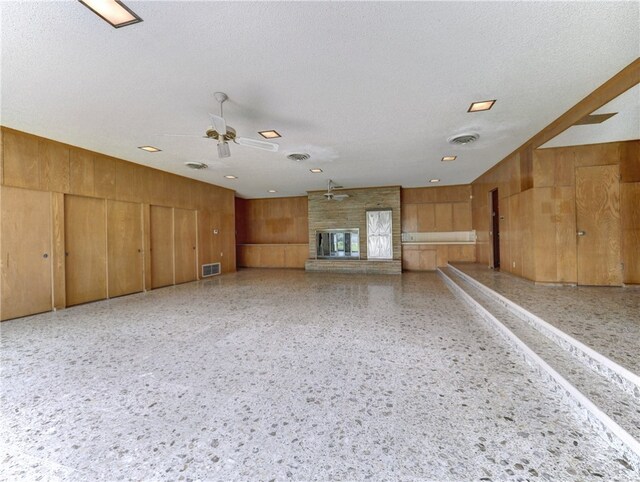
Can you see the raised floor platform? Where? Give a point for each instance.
(360, 266)
(555, 330)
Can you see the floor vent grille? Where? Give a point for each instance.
(211, 269)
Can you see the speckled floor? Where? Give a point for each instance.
(606, 319)
(275, 374)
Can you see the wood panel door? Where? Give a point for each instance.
(124, 248)
(25, 240)
(162, 270)
(598, 225)
(185, 245)
(85, 231)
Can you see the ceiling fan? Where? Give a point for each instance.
(330, 195)
(223, 133)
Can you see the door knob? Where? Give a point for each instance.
(581, 233)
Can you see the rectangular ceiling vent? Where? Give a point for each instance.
(211, 269)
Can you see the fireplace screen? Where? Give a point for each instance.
(338, 243)
(379, 244)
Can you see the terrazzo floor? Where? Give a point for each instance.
(606, 319)
(283, 375)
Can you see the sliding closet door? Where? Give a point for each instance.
(86, 249)
(25, 240)
(185, 245)
(124, 242)
(161, 246)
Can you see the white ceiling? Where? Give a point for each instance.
(624, 126)
(370, 90)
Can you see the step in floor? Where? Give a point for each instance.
(606, 319)
(620, 406)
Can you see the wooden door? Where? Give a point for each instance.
(85, 230)
(495, 228)
(161, 246)
(25, 240)
(598, 225)
(185, 245)
(124, 248)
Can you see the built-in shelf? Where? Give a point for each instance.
(443, 237)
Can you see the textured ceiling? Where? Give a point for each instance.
(370, 90)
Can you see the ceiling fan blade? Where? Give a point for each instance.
(219, 124)
(267, 146)
(184, 135)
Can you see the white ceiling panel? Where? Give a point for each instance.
(371, 90)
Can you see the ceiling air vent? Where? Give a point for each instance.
(462, 139)
(299, 156)
(195, 165)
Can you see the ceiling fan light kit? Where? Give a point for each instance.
(223, 133)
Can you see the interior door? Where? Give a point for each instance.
(495, 228)
(185, 245)
(25, 240)
(85, 230)
(124, 245)
(598, 225)
(161, 246)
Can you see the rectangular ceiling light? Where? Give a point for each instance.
(316, 170)
(482, 105)
(149, 148)
(269, 134)
(449, 158)
(113, 11)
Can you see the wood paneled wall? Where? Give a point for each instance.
(40, 164)
(554, 172)
(272, 221)
(272, 233)
(538, 225)
(436, 209)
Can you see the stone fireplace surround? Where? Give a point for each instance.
(351, 213)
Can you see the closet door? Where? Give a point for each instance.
(25, 240)
(185, 245)
(124, 247)
(161, 246)
(86, 249)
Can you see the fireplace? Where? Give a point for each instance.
(338, 244)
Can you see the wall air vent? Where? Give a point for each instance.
(211, 269)
(462, 139)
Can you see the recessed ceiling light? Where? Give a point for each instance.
(434, 180)
(231, 177)
(269, 134)
(449, 158)
(482, 105)
(316, 170)
(149, 148)
(112, 11)
(272, 190)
